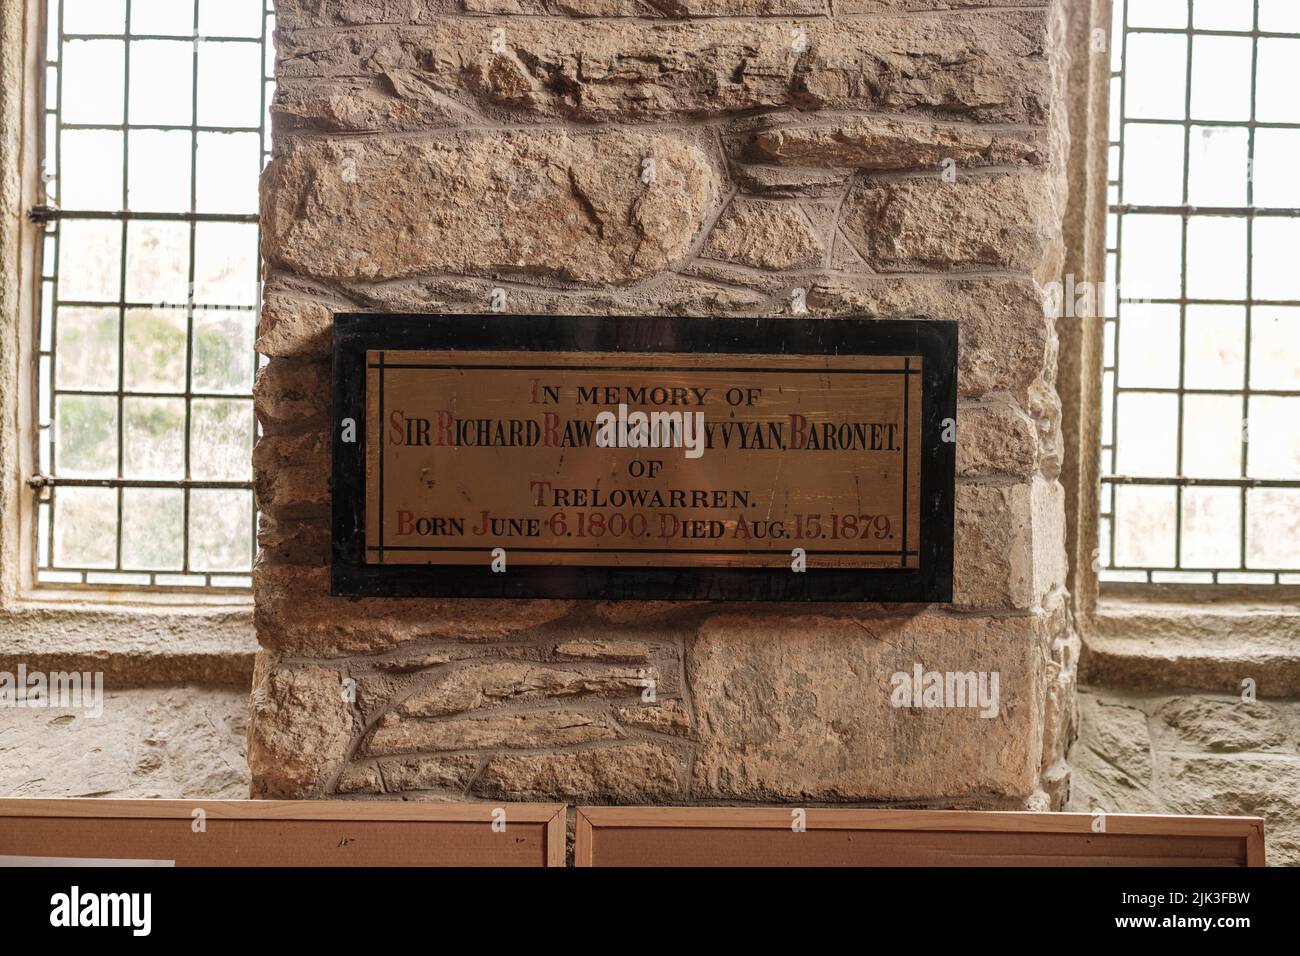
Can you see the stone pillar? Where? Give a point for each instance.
(880, 158)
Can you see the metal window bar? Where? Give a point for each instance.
(188, 573)
(1236, 568)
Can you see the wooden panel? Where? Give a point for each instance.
(284, 832)
(728, 836)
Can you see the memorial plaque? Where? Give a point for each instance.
(627, 457)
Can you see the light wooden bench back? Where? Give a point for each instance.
(285, 832)
(734, 836)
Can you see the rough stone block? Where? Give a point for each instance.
(171, 742)
(1060, 712)
(429, 773)
(1261, 785)
(765, 235)
(1120, 734)
(291, 395)
(294, 325)
(1222, 725)
(633, 652)
(668, 716)
(1006, 543)
(293, 540)
(298, 14)
(989, 222)
(878, 144)
(799, 708)
(995, 440)
(397, 735)
(620, 773)
(303, 14)
(789, 181)
(417, 661)
(850, 7)
(300, 729)
(390, 102)
(985, 67)
(1207, 754)
(359, 778)
(498, 682)
(1005, 340)
(668, 8)
(297, 616)
(291, 475)
(566, 205)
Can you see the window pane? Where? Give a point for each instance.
(153, 521)
(225, 264)
(1221, 78)
(1212, 432)
(219, 530)
(1216, 257)
(1223, 15)
(1145, 332)
(1273, 528)
(1273, 255)
(1274, 437)
(86, 345)
(155, 350)
(93, 81)
(230, 18)
(1216, 346)
(159, 177)
(1275, 99)
(1116, 93)
(1155, 80)
(1211, 527)
(1148, 434)
(1217, 163)
(154, 438)
(1153, 164)
(85, 527)
(228, 167)
(1152, 262)
(162, 77)
(90, 178)
(223, 351)
(85, 436)
(1275, 180)
(221, 439)
(1274, 362)
(1157, 13)
(94, 16)
(90, 260)
(230, 84)
(1279, 16)
(162, 17)
(1144, 535)
(157, 261)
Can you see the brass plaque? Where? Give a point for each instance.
(625, 470)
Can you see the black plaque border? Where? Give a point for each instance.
(935, 341)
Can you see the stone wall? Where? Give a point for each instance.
(1153, 752)
(429, 152)
(173, 742)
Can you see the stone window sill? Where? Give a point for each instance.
(132, 644)
(1158, 644)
